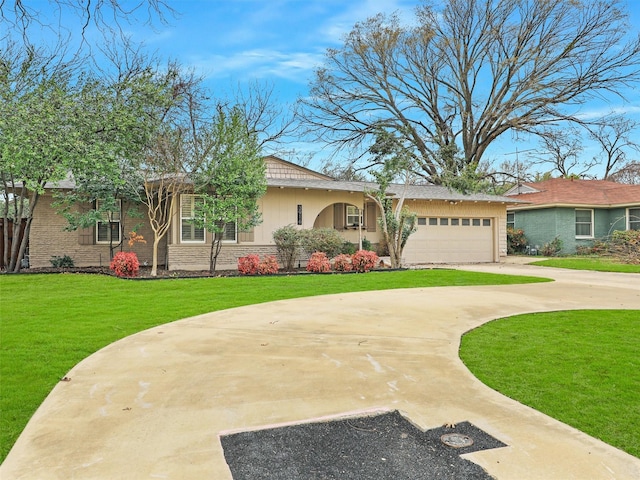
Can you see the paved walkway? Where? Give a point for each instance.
(154, 404)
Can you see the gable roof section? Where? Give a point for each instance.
(278, 168)
(574, 192)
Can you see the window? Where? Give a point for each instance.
(444, 221)
(353, 216)
(299, 215)
(230, 232)
(511, 220)
(422, 221)
(475, 222)
(486, 222)
(109, 231)
(455, 221)
(584, 223)
(433, 221)
(188, 231)
(466, 222)
(634, 219)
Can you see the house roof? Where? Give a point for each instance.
(575, 192)
(418, 192)
(283, 174)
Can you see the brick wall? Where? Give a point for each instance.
(48, 238)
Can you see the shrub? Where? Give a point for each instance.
(383, 249)
(125, 264)
(268, 265)
(248, 265)
(348, 248)
(626, 245)
(325, 240)
(287, 240)
(318, 263)
(553, 248)
(61, 262)
(364, 260)
(516, 241)
(366, 244)
(342, 263)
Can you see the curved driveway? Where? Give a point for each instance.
(154, 404)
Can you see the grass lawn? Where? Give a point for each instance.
(48, 323)
(600, 264)
(580, 367)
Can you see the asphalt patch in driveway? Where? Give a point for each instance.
(381, 447)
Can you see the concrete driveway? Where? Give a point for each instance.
(154, 404)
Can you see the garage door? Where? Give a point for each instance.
(451, 240)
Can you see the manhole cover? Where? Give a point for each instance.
(456, 440)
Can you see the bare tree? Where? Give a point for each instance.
(629, 174)
(467, 73)
(560, 149)
(107, 15)
(614, 136)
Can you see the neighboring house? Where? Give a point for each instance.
(575, 211)
(452, 227)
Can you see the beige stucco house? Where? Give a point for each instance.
(452, 227)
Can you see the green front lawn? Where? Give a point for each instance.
(600, 264)
(51, 322)
(581, 367)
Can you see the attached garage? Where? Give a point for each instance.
(452, 240)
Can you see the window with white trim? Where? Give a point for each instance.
(189, 233)
(353, 216)
(230, 232)
(109, 231)
(511, 220)
(633, 214)
(584, 223)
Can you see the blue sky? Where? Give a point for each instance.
(233, 42)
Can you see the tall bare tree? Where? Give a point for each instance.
(67, 16)
(560, 150)
(468, 72)
(614, 135)
(629, 174)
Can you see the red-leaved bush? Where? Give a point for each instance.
(342, 263)
(364, 260)
(248, 265)
(125, 264)
(318, 263)
(268, 265)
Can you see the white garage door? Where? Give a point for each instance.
(451, 240)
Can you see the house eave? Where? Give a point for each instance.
(573, 205)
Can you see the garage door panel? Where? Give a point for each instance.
(450, 244)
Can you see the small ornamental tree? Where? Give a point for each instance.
(318, 263)
(125, 264)
(364, 260)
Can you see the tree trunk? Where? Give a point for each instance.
(154, 262)
(216, 245)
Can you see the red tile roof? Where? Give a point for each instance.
(566, 191)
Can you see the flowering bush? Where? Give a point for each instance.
(342, 263)
(364, 260)
(125, 264)
(516, 241)
(248, 265)
(318, 263)
(268, 265)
